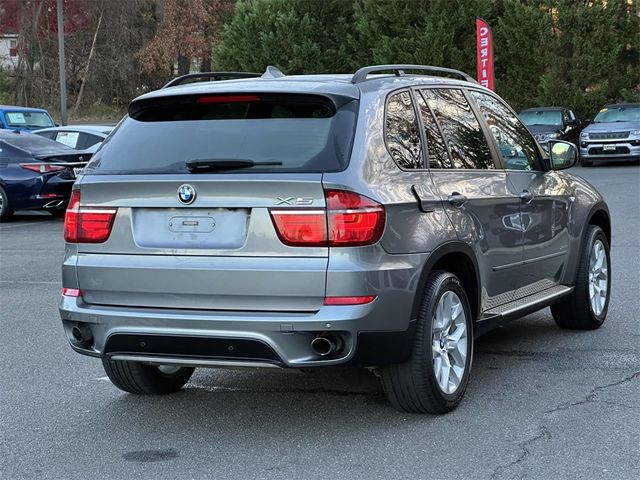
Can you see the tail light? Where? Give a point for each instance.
(349, 220)
(301, 228)
(87, 224)
(42, 167)
(353, 219)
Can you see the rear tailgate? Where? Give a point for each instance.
(221, 252)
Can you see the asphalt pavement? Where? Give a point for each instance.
(542, 402)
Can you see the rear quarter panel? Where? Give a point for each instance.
(372, 172)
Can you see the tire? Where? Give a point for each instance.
(577, 312)
(6, 212)
(142, 379)
(412, 386)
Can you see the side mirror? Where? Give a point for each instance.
(562, 154)
(587, 121)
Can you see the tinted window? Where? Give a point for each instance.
(402, 133)
(305, 133)
(436, 149)
(87, 140)
(515, 144)
(49, 135)
(467, 143)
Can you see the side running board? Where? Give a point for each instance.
(518, 308)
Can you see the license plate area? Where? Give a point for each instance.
(171, 228)
(192, 224)
(609, 148)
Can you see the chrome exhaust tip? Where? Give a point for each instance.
(324, 345)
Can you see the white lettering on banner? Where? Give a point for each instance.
(484, 42)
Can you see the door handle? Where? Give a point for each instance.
(526, 196)
(457, 199)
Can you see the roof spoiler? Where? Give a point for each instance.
(270, 72)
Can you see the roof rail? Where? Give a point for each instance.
(212, 76)
(398, 70)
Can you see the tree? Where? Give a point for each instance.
(295, 36)
(187, 31)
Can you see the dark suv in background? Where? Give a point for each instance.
(552, 123)
(381, 219)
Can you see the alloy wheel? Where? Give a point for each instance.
(449, 342)
(598, 277)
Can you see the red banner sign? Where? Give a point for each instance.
(484, 53)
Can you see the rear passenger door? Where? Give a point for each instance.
(474, 190)
(544, 203)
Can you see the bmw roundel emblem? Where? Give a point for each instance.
(186, 194)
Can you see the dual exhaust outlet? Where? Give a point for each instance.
(325, 344)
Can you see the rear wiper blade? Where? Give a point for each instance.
(195, 166)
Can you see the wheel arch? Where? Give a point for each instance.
(599, 216)
(458, 258)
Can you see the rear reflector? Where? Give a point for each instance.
(349, 220)
(349, 300)
(71, 292)
(228, 99)
(87, 224)
(42, 167)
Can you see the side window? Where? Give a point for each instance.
(49, 135)
(467, 143)
(517, 147)
(87, 140)
(436, 149)
(401, 131)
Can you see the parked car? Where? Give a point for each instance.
(614, 134)
(380, 220)
(552, 123)
(80, 137)
(24, 118)
(35, 173)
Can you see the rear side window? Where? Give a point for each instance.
(467, 143)
(436, 149)
(401, 131)
(300, 133)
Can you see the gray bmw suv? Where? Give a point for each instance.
(382, 219)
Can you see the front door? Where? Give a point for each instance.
(544, 209)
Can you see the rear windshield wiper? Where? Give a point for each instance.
(195, 166)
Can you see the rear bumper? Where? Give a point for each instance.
(36, 194)
(233, 338)
(376, 333)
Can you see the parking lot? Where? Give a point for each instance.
(542, 402)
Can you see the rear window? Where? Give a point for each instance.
(301, 133)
